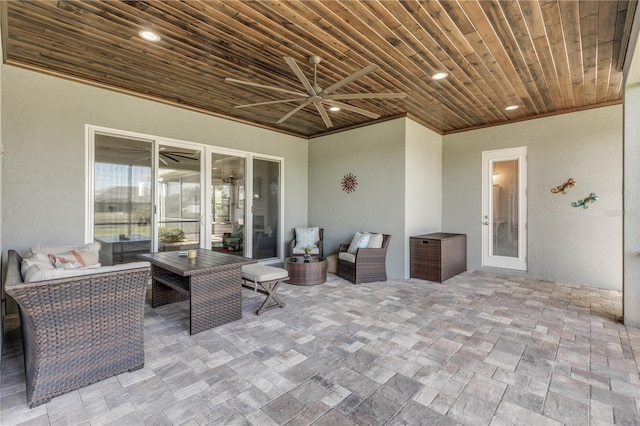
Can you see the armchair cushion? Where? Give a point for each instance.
(360, 240)
(349, 257)
(36, 271)
(37, 259)
(66, 256)
(375, 241)
(307, 237)
(297, 251)
(74, 259)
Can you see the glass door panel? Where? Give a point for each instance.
(179, 198)
(266, 209)
(505, 208)
(122, 197)
(504, 232)
(228, 203)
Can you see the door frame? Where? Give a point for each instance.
(518, 263)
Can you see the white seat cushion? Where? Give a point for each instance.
(261, 273)
(349, 257)
(56, 274)
(297, 250)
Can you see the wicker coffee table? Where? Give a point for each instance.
(310, 272)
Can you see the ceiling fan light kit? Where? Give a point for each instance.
(317, 96)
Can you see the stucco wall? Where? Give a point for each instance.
(566, 244)
(44, 135)
(375, 155)
(423, 183)
(631, 290)
(631, 293)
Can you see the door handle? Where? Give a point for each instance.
(485, 223)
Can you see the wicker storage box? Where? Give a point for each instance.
(439, 256)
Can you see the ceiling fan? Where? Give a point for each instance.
(318, 96)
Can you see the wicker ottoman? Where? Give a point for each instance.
(269, 278)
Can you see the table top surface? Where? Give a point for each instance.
(206, 260)
(301, 260)
(438, 236)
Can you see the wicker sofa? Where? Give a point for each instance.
(80, 329)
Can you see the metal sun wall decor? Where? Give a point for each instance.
(563, 188)
(349, 183)
(584, 203)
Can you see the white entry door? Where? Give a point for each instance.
(504, 208)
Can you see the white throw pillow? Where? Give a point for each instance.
(307, 237)
(74, 259)
(36, 259)
(360, 240)
(375, 241)
(36, 272)
(67, 257)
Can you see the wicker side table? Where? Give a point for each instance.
(301, 272)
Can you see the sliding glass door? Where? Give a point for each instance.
(228, 201)
(122, 201)
(179, 198)
(266, 208)
(146, 194)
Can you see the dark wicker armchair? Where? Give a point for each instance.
(79, 330)
(293, 251)
(369, 263)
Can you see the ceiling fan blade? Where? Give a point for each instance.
(188, 157)
(298, 72)
(367, 96)
(352, 108)
(263, 86)
(293, 111)
(347, 80)
(323, 113)
(270, 102)
(170, 157)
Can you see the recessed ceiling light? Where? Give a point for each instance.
(512, 107)
(149, 35)
(439, 75)
(334, 108)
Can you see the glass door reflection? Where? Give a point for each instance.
(505, 208)
(179, 198)
(122, 197)
(266, 209)
(228, 203)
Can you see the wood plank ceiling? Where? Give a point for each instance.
(545, 56)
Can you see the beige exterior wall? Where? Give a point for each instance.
(423, 184)
(398, 166)
(631, 285)
(566, 244)
(43, 130)
(375, 155)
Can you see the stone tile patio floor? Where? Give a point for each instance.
(480, 349)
